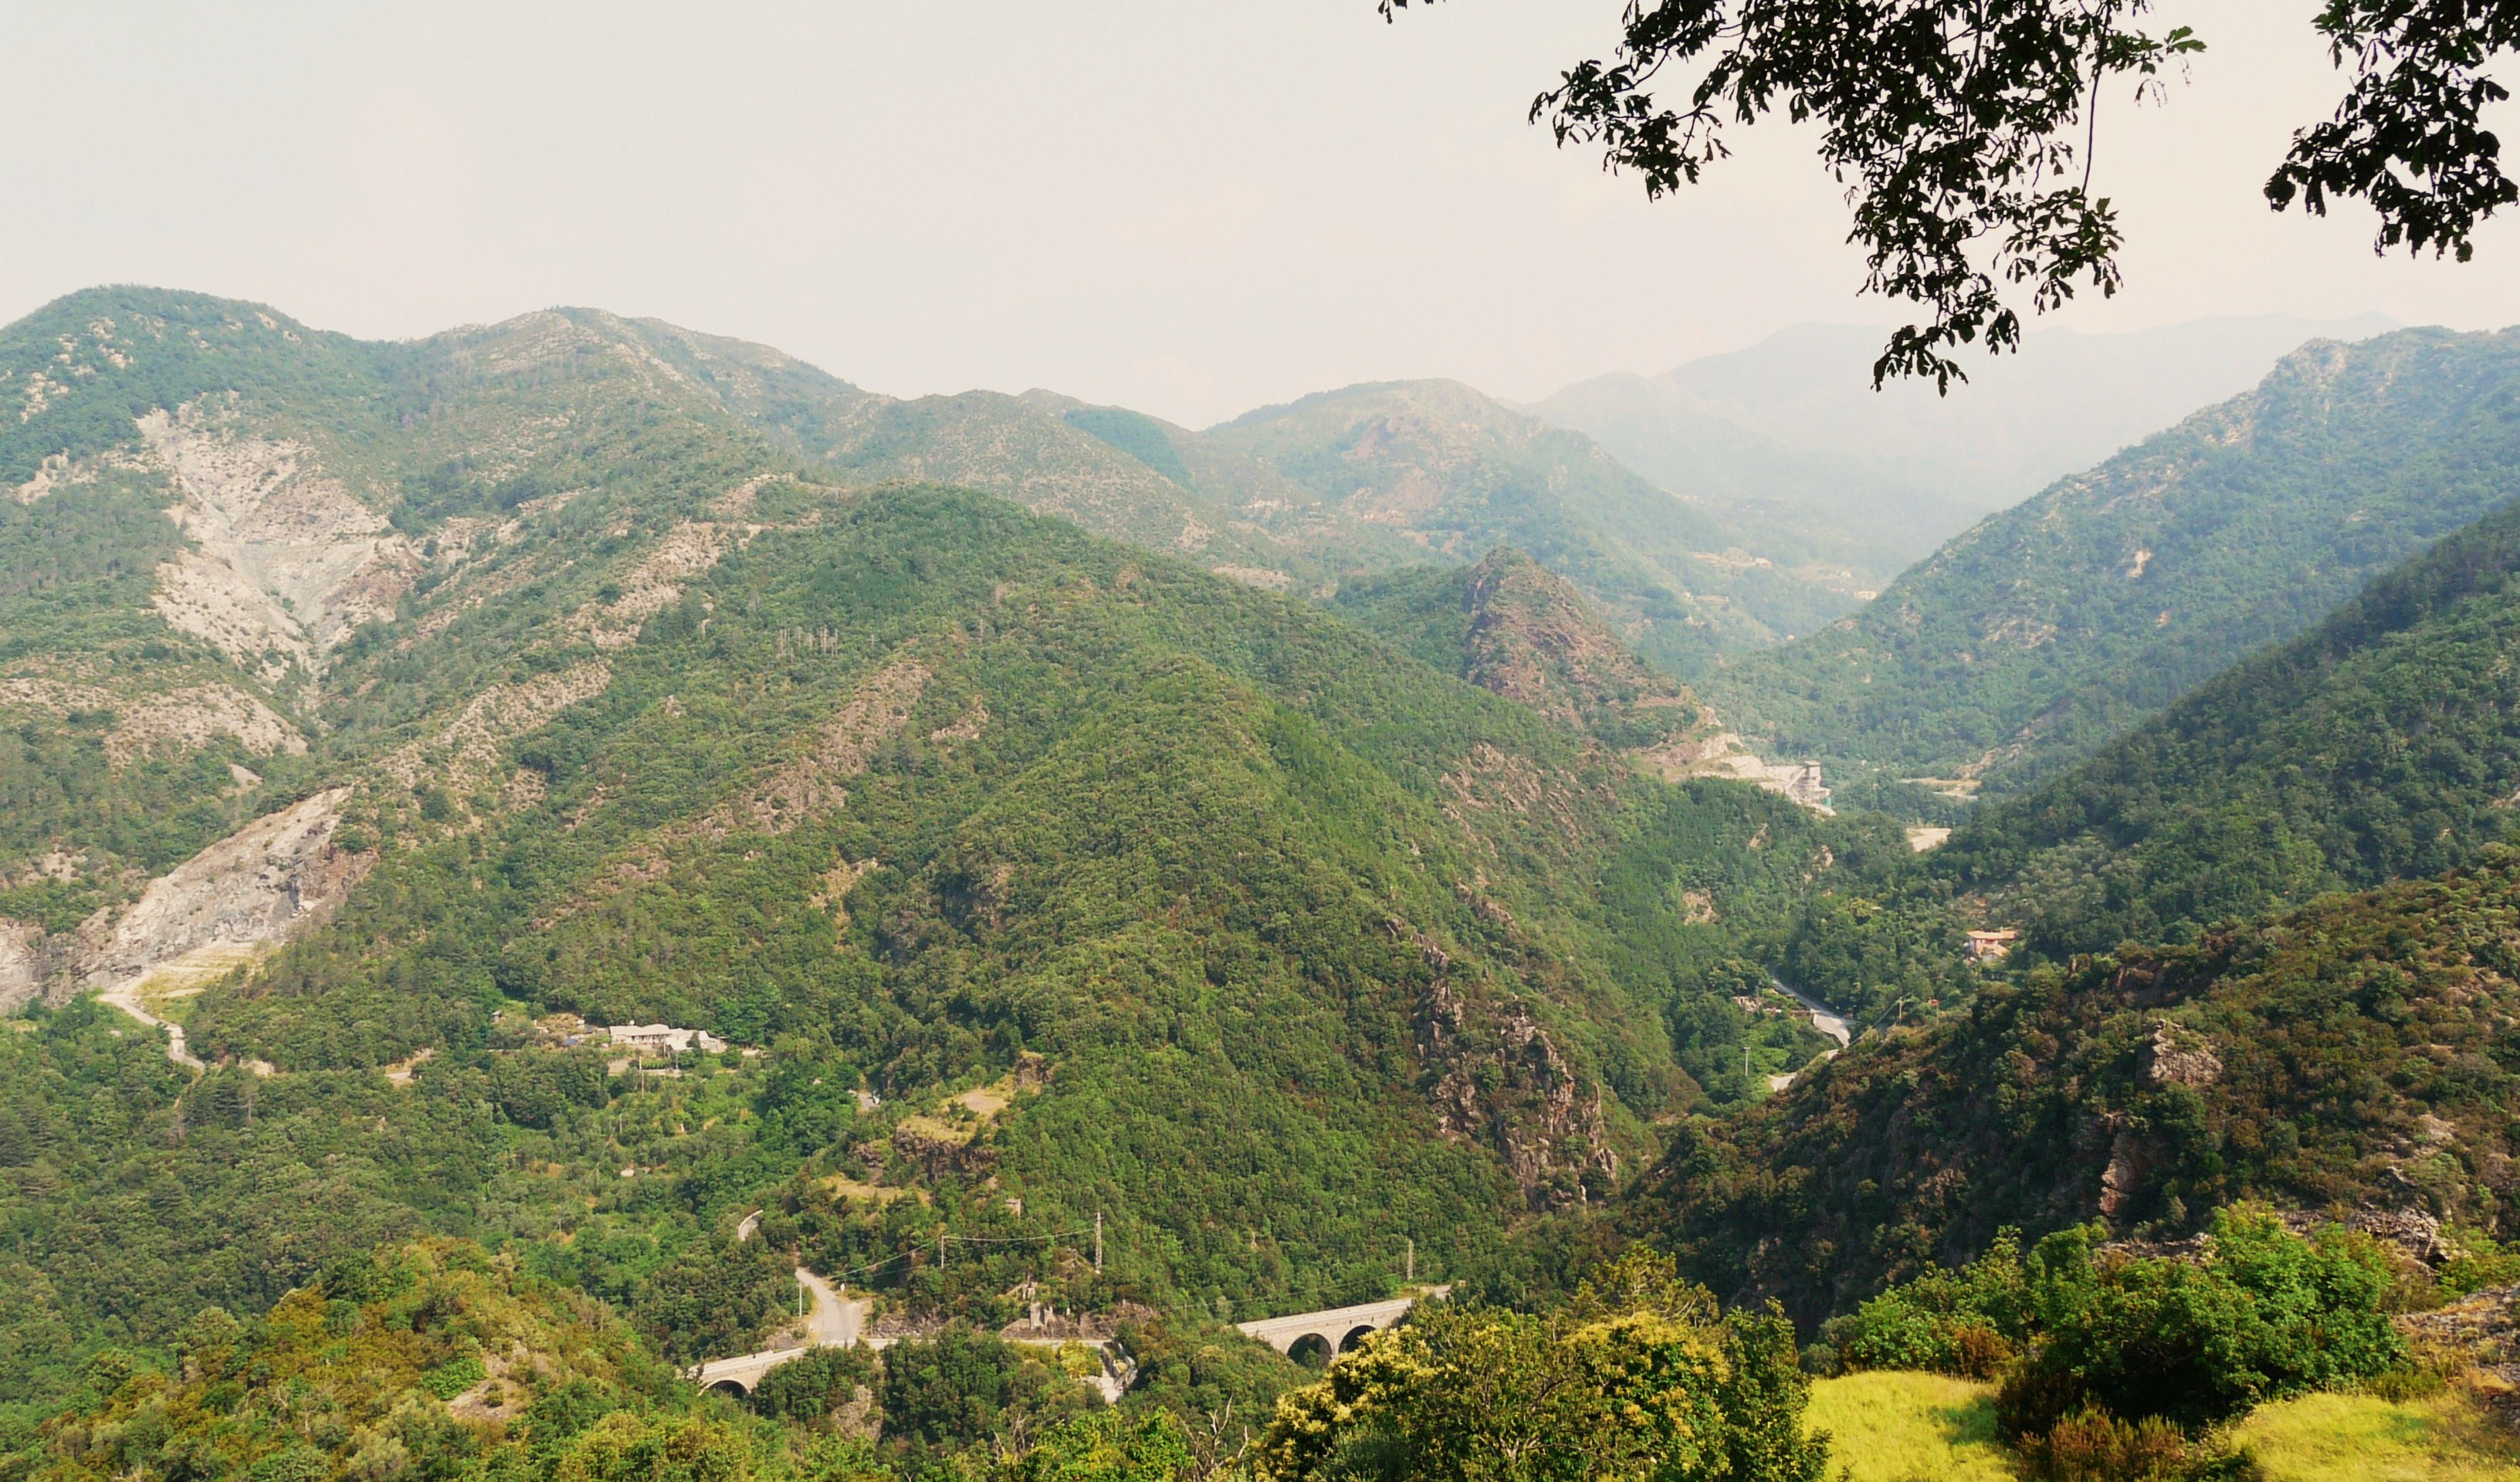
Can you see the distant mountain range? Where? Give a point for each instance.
(1793, 423)
(2031, 640)
(1370, 477)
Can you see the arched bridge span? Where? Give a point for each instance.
(1337, 1329)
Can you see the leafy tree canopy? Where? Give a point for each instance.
(1964, 131)
(1640, 1375)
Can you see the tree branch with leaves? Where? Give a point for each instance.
(1963, 132)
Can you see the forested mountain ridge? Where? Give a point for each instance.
(2354, 1054)
(1460, 473)
(1020, 447)
(2027, 643)
(1367, 478)
(1044, 875)
(2380, 746)
(1511, 626)
(1794, 421)
(1516, 628)
(431, 1358)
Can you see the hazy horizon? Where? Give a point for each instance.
(1190, 212)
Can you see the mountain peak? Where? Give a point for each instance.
(1534, 640)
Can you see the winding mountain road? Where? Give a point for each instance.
(835, 1321)
(125, 995)
(1823, 1018)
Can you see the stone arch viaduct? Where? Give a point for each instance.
(1336, 1329)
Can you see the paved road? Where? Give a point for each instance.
(1822, 1018)
(835, 1321)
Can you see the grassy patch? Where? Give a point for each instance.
(2359, 1438)
(1894, 1426)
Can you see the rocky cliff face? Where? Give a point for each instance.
(251, 889)
(243, 895)
(22, 964)
(1534, 640)
(284, 561)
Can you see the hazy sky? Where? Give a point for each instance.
(1190, 207)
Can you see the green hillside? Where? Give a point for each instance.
(2379, 747)
(431, 1358)
(1511, 626)
(518, 678)
(2029, 641)
(1297, 498)
(1459, 474)
(2348, 1056)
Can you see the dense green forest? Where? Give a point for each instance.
(1044, 877)
(2027, 643)
(1366, 480)
(437, 1358)
(2351, 1054)
(1140, 854)
(2379, 747)
(1112, 903)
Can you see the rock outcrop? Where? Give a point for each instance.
(1724, 754)
(22, 964)
(249, 891)
(285, 561)
(220, 909)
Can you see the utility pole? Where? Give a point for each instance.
(940, 1250)
(1409, 1267)
(1098, 1243)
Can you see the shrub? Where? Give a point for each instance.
(295, 1462)
(1979, 1352)
(2263, 1314)
(1198, 1370)
(453, 1377)
(2094, 1445)
(624, 1447)
(1107, 1447)
(2476, 1263)
(965, 1386)
(809, 1388)
(716, 1297)
(1967, 1322)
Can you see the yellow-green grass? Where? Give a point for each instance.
(2356, 1438)
(1894, 1427)
(1889, 1426)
